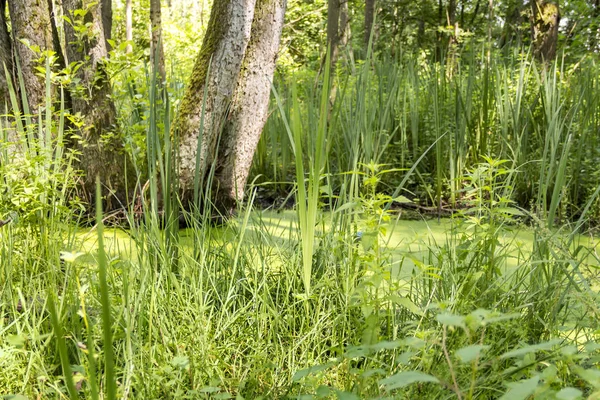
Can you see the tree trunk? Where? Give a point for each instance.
(337, 37)
(107, 22)
(6, 59)
(217, 67)
(60, 58)
(156, 49)
(369, 20)
(344, 27)
(249, 108)
(333, 28)
(101, 151)
(129, 25)
(30, 22)
(544, 29)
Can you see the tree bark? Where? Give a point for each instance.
(217, 67)
(101, 151)
(369, 19)
(333, 28)
(6, 59)
(249, 109)
(544, 29)
(30, 22)
(337, 37)
(157, 46)
(129, 25)
(107, 21)
(344, 27)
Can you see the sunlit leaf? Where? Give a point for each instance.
(451, 320)
(521, 390)
(406, 378)
(470, 353)
(569, 394)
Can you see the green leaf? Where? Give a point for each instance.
(180, 362)
(15, 397)
(451, 320)
(346, 206)
(569, 393)
(346, 395)
(323, 391)
(407, 303)
(17, 341)
(387, 345)
(470, 353)
(402, 199)
(531, 349)
(372, 372)
(510, 211)
(591, 376)
(521, 390)
(405, 378)
(368, 240)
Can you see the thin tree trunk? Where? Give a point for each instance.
(101, 151)
(250, 104)
(157, 45)
(452, 41)
(337, 37)
(107, 21)
(30, 22)
(544, 29)
(333, 29)
(129, 25)
(217, 67)
(344, 27)
(439, 46)
(451, 12)
(369, 19)
(55, 37)
(6, 59)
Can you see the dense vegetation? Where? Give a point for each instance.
(321, 287)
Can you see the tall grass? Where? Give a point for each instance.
(540, 117)
(323, 302)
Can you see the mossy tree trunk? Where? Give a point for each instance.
(100, 148)
(216, 71)
(30, 23)
(544, 29)
(249, 108)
